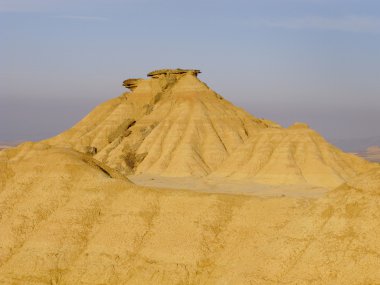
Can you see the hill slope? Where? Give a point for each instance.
(171, 125)
(174, 125)
(69, 215)
(297, 155)
(66, 220)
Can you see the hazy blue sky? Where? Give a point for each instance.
(288, 60)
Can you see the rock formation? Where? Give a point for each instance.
(131, 83)
(70, 215)
(164, 73)
(198, 128)
(70, 220)
(297, 155)
(183, 128)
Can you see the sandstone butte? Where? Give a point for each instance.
(70, 212)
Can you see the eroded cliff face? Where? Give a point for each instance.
(68, 220)
(70, 215)
(172, 124)
(297, 155)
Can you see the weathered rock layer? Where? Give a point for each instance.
(172, 124)
(67, 220)
(69, 214)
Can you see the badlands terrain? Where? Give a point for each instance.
(169, 183)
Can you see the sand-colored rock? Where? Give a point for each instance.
(65, 220)
(181, 128)
(69, 214)
(172, 124)
(131, 83)
(173, 72)
(297, 155)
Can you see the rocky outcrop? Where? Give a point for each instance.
(166, 77)
(70, 217)
(170, 72)
(172, 124)
(180, 127)
(131, 83)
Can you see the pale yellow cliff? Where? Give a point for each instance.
(69, 214)
(297, 155)
(173, 124)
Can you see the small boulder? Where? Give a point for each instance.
(132, 83)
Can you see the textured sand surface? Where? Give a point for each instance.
(261, 206)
